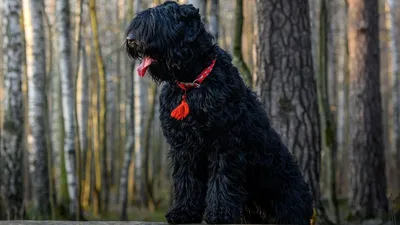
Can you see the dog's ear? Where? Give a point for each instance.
(188, 11)
(191, 16)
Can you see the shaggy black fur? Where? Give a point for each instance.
(229, 164)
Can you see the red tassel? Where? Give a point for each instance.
(181, 111)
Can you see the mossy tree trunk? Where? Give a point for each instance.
(64, 46)
(237, 45)
(328, 124)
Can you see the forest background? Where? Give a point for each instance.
(80, 134)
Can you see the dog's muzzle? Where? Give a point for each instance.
(130, 39)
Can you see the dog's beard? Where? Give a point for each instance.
(159, 73)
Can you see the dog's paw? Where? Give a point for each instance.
(181, 215)
(221, 216)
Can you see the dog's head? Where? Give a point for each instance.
(170, 40)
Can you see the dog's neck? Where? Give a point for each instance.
(196, 68)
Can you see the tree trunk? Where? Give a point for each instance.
(140, 90)
(111, 126)
(36, 66)
(339, 15)
(78, 45)
(11, 146)
(146, 164)
(83, 103)
(394, 32)
(237, 44)
(367, 173)
(102, 99)
(214, 19)
(139, 108)
(286, 83)
(95, 178)
(57, 132)
(328, 125)
(64, 45)
(129, 144)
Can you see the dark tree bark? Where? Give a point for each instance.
(367, 173)
(286, 84)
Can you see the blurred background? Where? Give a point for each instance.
(80, 134)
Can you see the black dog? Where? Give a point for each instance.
(229, 165)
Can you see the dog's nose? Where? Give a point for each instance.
(130, 38)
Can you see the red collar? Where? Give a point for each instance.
(196, 83)
(182, 110)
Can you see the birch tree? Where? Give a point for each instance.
(367, 165)
(57, 125)
(140, 90)
(64, 46)
(11, 146)
(36, 66)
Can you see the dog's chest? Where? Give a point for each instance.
(176, 131)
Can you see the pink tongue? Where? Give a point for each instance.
(142, 68)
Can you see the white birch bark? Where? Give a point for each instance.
(392, 7)
(140, 89)
(57, 131)
(139, 109)
(36, 66)
(11, 146)
(64, 46)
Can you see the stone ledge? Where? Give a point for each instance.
(56, 222)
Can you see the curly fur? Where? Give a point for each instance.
(229, 164)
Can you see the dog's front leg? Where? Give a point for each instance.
(189, 181)
(226, 194)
